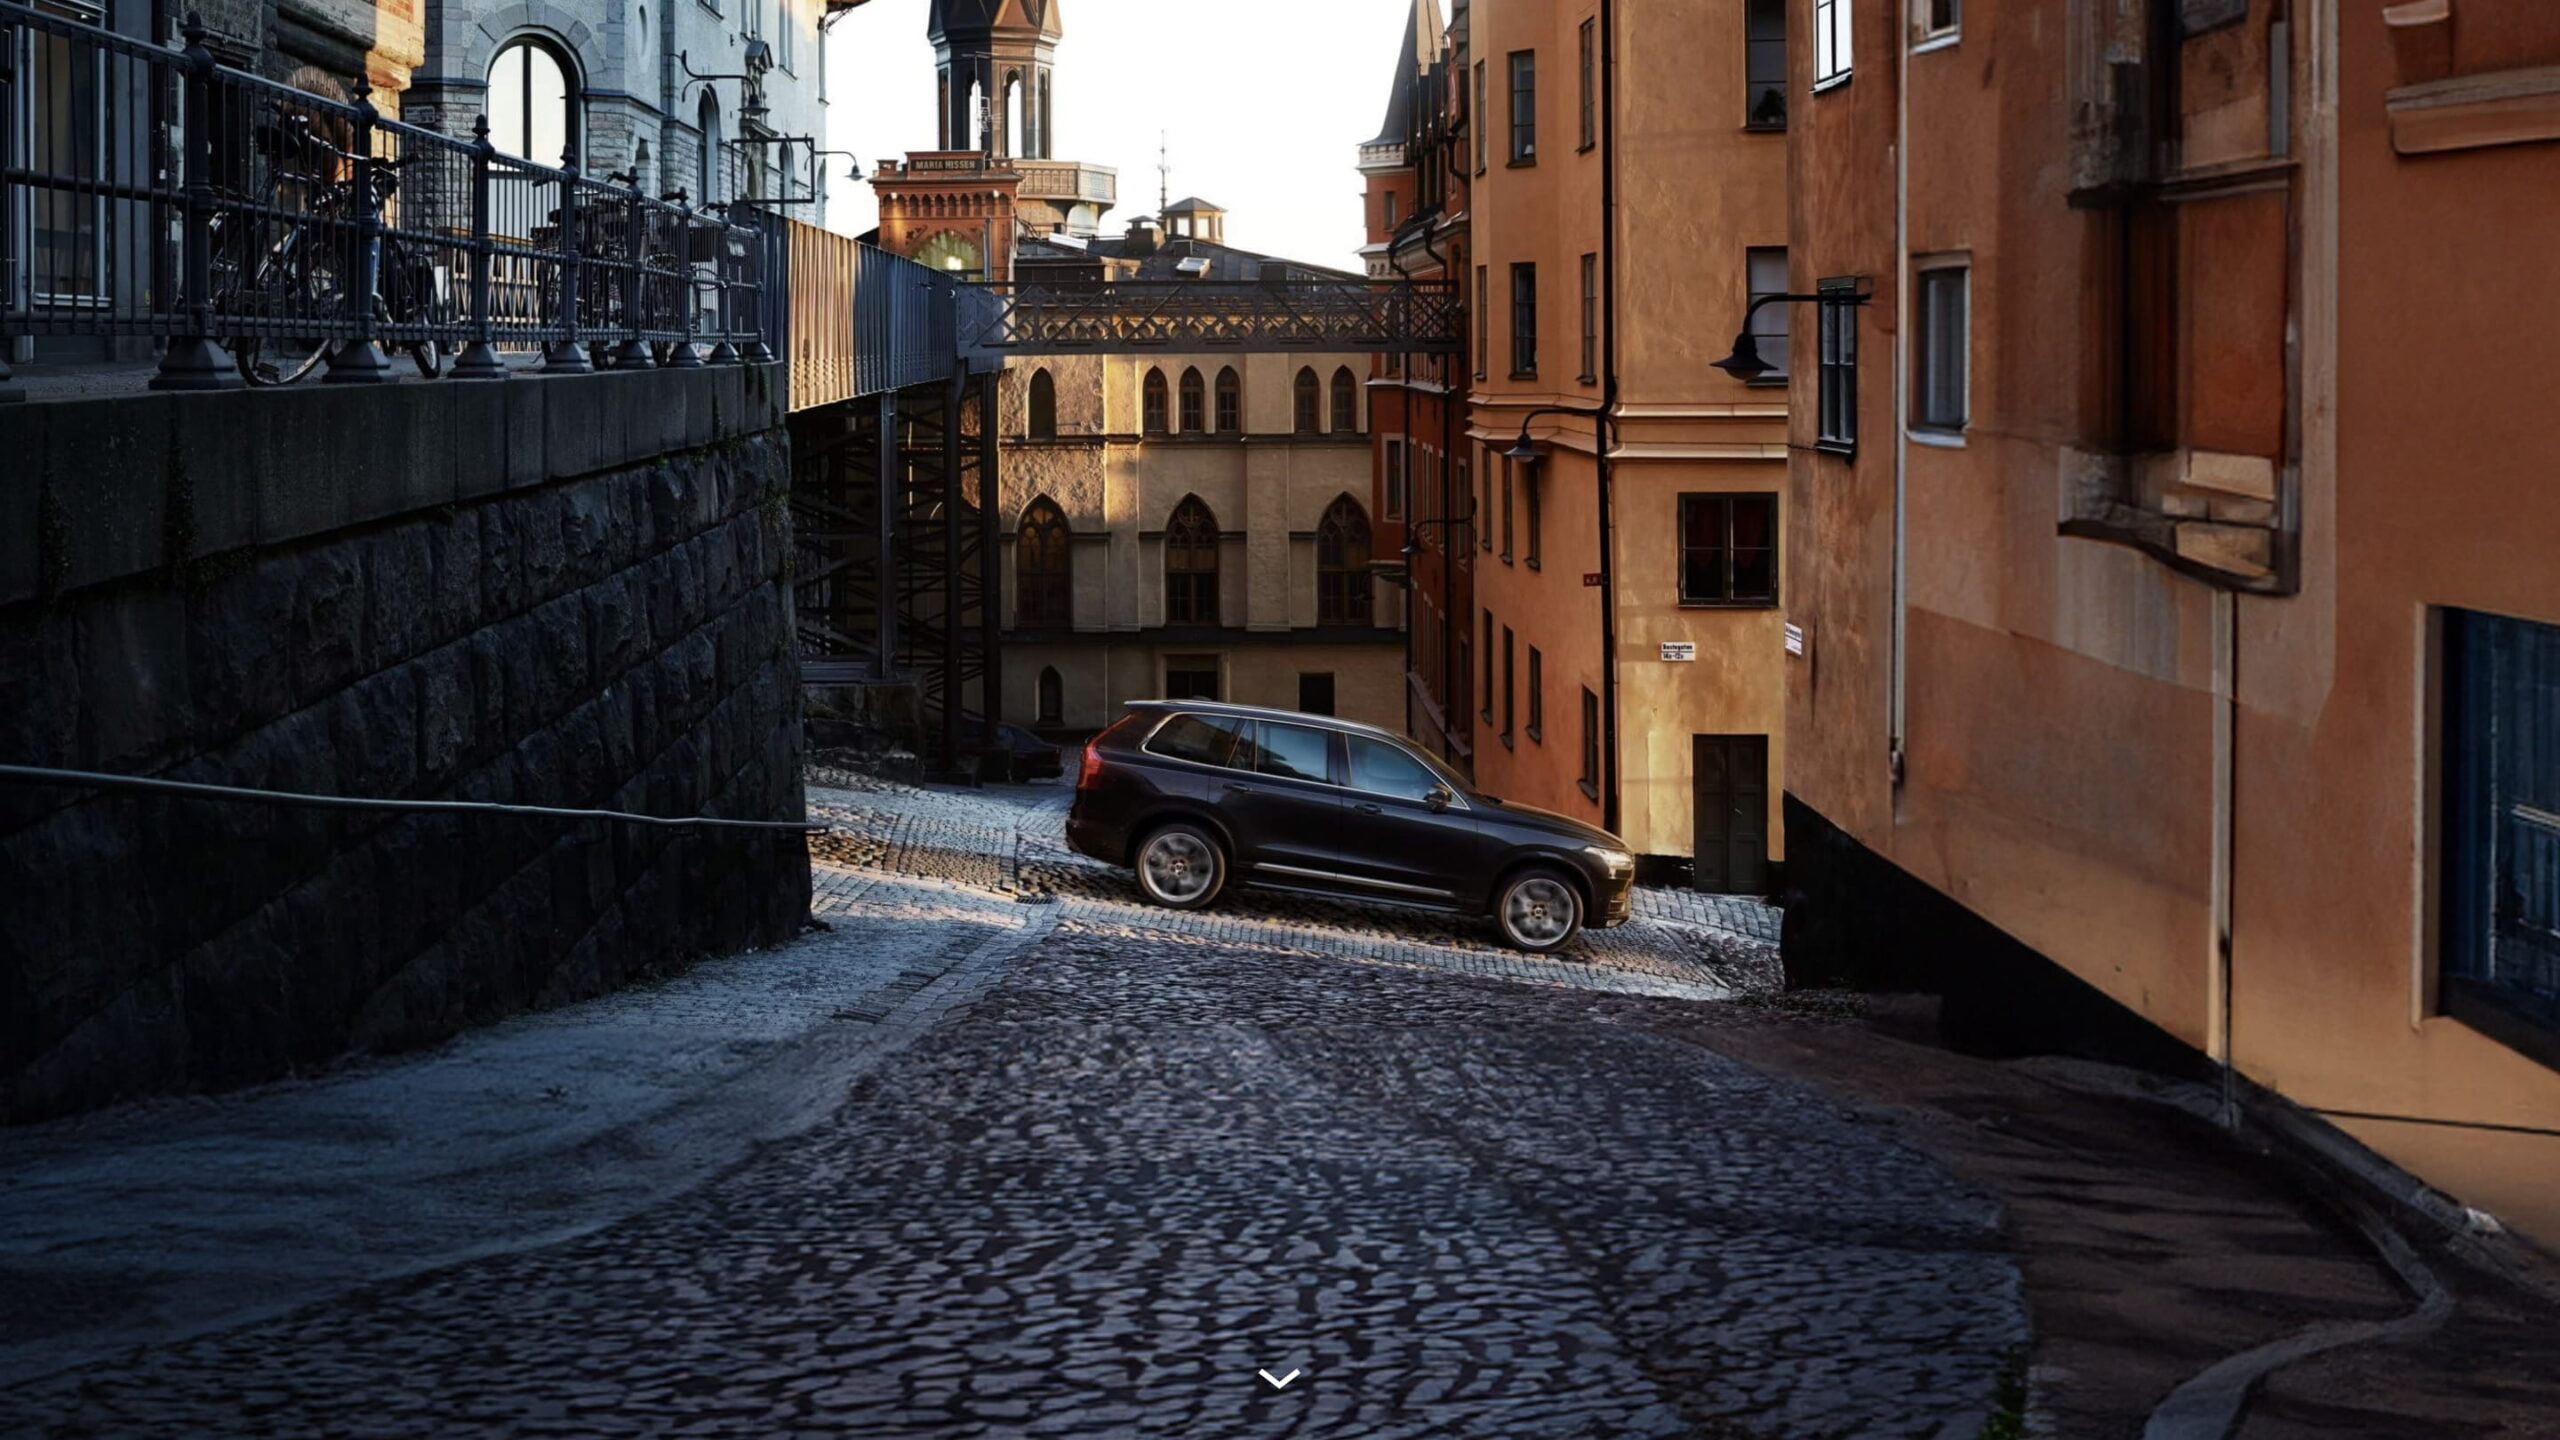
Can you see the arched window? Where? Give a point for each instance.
(1053, 697)
(1014, 102)
(706, 177)
(533, 113)
(1342, 564)
(1230, 402)
(1048, 144)
(1191, 565)
(1044, 405)
(1152, 403)
(1043, 573)
(1193, 408)
(1346, 402)
(1310, 402)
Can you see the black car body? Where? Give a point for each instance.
(1311, 803)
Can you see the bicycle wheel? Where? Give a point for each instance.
(293, 280)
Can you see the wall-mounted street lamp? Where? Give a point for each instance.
(1745, 362)
(1413, 544)
(1525, 449)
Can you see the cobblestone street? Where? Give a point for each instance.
(1095, 1173)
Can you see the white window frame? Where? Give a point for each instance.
(1925, 330)
(1833, 21)
(1926, 33)
(1771, 322)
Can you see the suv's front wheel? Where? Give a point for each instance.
(1181, 867)
(1539, 911)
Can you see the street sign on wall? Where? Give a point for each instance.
(1679, 650)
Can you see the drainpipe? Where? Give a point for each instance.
(1897, 702)
(1605, 428)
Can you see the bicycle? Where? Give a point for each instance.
(299, 274)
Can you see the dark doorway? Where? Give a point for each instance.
(1315, 692)
(1730, 785)
(1191, 677)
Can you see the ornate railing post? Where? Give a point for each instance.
(567, 355)
(194, 361)
(687, 357)
(634, 351)
(360, 361)
(8, 220)
(757, 352)
(724, 353)
(480, 358)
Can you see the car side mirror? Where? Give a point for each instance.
(1438, 798)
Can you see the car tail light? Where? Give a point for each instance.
(1092, 768)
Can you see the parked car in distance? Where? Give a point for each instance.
(1028, 757)
(1196, 796)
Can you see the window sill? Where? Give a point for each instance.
(1688, 604)
(1532, 563)
(1590, 791)
(1506, 559)
(1944, 40)
(1846, 449)
(1832, 83)
(1537, 736)
(1586, 147)
(1506, 743)
(1937, 439)
(1521, 162)
(1778, 129)
(1524, 374)
(1774, 380)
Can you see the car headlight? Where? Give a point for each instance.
(1617, 862)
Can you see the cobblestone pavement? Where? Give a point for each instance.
(1101, 1189)
(1011, 840)
(1094, 1172)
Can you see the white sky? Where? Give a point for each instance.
(1263, 107)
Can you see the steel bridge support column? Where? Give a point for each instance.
(951, 522)
(885, 530)
(991, 563)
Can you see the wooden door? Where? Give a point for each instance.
(1730, 796)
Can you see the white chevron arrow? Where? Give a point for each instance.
(1277, 1382)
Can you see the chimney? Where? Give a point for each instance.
(1142, 236)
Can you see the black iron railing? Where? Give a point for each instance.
(261, 230)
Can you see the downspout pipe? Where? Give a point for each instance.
(1605, 427)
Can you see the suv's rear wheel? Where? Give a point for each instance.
(1181, 867)
(1539, 911)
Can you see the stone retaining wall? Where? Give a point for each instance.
(567, 592)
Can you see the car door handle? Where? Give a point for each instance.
(1372, 810)
(1235, 789)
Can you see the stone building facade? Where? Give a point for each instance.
(1188, 525)
(628, 68)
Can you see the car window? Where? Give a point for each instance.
(1384, 769)
(1208, 739)
(1296, 751)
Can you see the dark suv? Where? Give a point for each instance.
(1194, 795)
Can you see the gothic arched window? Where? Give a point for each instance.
(1043, 573)
(1053, 697)
(533, 108)
(1230, 402)
(1346, 402)
(1342, 564)
(1044, 406)
(1310, 402)
(1193, 407)
(707, 164)
(1191, 565)
(1152, 403)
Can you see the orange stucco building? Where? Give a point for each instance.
(2180, 647)
(1627, 185)
(1414, 208)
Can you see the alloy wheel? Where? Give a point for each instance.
(1540, 912)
